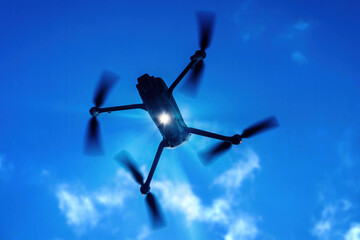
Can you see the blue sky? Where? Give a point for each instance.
(297, 60)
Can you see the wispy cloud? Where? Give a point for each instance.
(243, 169)
(301, 25)
(246, 37)
(179, 197)
(84, 209)
(45, 172)
(353, 233)
(144, 233)
(81, 207)
(339, 216)
(298, 57)
(243, 228)
(250, 20)
(332, 216)
(344, 149)
(296, 29)
(6, 168)
(323, 227)
(222, 210)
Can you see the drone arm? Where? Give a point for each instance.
(96, 111)
(233, 139)
(155, 162)
(181, 76)
(198, 56)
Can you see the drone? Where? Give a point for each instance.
(158, 101)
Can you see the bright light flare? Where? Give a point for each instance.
(164, 118)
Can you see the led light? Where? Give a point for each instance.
(164, 118)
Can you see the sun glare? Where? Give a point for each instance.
(164, 118)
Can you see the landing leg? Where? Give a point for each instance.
(145, 188)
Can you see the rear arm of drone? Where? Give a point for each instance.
(236, 139)
(198, 56)
(145, 188)
(95, 111)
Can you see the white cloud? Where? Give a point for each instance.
(6, 168)
(45, 172)
(301, 25)
(79, 209)
(242, 229)
(144, 233)
(218, 212)
(322, 228)
(246, 18)
(246, 37)
(346, 204)
(296, 29)
(109, 198)
(234, 177)
(344, 152)
(180, 198)
(333, 216)
(353, 233)
(298, 57)
(84, 209)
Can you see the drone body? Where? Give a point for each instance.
(159, 102)
(163, 110)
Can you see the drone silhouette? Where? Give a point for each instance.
(159, 102)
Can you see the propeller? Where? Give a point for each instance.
(93, 143)
(193, 81)
(206, 25)
(252, 130)
(151, 202)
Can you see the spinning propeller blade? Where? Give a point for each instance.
(154, 210)
(206, 25)
(259, 127)
(125, 159)
(151, 202)
(194, 79)
(93, 141)
(93, 144)
(107, 81)
(266, 124)
(218, 149)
